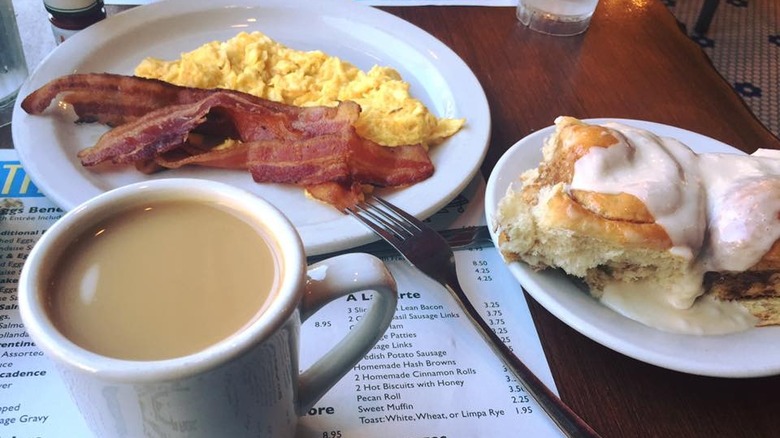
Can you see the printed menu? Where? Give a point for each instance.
(430, 375)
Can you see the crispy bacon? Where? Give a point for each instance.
(305, 162)
(382, 166)
(167, 128)
(113, 99)
(338, 195)
(342, 158)
(155, 133)
(232, 157)
(316, 147)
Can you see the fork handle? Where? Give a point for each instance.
(566, 419)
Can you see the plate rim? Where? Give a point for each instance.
(333, 233)
(659, 348)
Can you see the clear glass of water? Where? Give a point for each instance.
(13, 67)
(556, 17)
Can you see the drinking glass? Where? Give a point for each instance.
(556, 17)
(13, 67)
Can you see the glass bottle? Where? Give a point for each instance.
(70, 16)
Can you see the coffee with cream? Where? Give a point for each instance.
(155, 270)
(162, 280)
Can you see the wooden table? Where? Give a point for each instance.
(633, 62)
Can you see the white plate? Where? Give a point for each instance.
(752, 353)
(357, 33)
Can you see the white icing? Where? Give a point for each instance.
(646, 302)
(722, 211)
(655, 170)
(743, 203)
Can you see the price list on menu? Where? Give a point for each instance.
(430, 375)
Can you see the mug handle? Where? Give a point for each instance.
(329, 280)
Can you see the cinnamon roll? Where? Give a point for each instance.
(664, 235)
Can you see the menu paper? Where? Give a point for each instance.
(431, 374)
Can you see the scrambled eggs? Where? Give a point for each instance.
(255, 64)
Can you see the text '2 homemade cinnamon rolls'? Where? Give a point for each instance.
(680, 241)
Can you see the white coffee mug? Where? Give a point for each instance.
(247, 384)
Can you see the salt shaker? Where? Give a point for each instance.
(70, 16)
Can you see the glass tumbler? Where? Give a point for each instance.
(13, 67)
(556, 17)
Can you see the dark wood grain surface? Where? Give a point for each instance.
(633, 62)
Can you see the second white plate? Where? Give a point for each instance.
(752, 353)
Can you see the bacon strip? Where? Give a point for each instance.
(114, 99)
(311, 161)
(316, 147)
(153, 134)
(167, 128)
(338, 195)
(341, 158)
(382, 166)
(233, 157)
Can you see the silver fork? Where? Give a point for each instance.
(457, 238)
(426, 250)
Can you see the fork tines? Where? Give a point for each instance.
(384, 217)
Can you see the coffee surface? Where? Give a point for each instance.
(162, 280)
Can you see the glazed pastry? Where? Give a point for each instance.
(632, 215)
(742, 253)
(554, 220)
